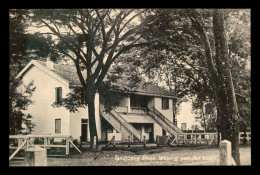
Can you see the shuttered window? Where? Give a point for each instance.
(58, 94)
(57, 126)
(165, 103)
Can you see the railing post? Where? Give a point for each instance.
(195, 139)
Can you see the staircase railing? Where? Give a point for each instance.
(162, 123)
(116, 124)
(166, 120)
(127, 125)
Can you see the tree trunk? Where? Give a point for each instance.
(229, 121)
(204, 120)
(174, 112)
(92, 118)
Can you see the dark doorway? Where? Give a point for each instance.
(149, 129)
(139, 101)
(84, 130)
(163, 132)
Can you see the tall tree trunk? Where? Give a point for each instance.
(229, 121)
(92, 118)
(204, 120)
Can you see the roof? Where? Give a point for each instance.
(69, 73)
(153, 90)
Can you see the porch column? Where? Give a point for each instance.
(128, 105)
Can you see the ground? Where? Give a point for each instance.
(151, 156)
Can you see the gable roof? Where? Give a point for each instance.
(69, 74)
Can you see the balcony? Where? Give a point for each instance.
(138, 110)
(133, 110)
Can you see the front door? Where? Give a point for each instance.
(84, 130)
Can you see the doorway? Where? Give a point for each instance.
(84, 130)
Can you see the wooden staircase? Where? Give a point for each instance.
(120, 124)
(165, 123)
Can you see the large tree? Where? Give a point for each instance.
(198, 38)
(92, 39)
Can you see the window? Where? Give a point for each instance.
(58, 95)
(165, 103)
(57, 126)
(183, 126)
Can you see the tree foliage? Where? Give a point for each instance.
(92, 39)
(18, 100)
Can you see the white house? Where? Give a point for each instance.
(146, 112)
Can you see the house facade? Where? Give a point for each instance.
(143, 114)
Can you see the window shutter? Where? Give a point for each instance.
(165, 103)
(58, 94)
(57, 126)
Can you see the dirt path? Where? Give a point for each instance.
(149, 157)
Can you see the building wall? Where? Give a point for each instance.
(151, 103)
(117, 135)
(186, 116)
(157, 130)
(44, 114)
(168, 113)
(124, 102)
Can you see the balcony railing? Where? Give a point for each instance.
(134, 110)
(138, 110)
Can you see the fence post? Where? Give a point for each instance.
(114, 145)
(67, 146)
(45, 142)
(226, 153)
(94, 143)
(129, 141)
(144, 142)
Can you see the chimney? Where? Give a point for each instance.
(49, 64)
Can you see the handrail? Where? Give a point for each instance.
(167, 120)
(164, 124)
(131, 128)
(121, 128)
